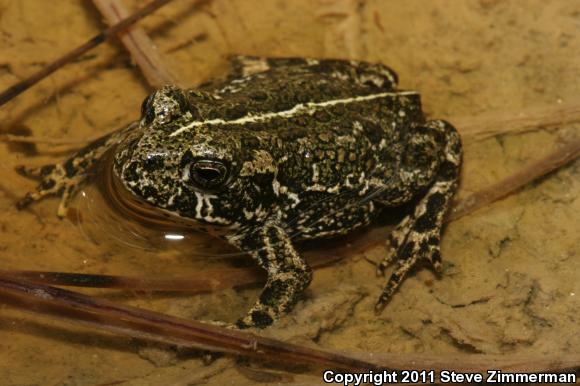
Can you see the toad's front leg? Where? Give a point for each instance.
(65, 179)
(288, 274)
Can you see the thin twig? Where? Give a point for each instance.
(519, 179)
(196, 282)
(45, 140)
(141, 48)
(25, 84)
(140, 323)
(151, 325)
(487, 125)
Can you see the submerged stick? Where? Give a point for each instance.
(13, 138)
(25, 84)
(487, 125)
(139, 45)
(151, 325)
(516, 181)
(143, 324)
(197, 282)
(208, 281)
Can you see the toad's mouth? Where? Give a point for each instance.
(134, 207)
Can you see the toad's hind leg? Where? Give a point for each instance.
(288, 274)
(417, 237)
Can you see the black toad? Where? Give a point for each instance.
(280, 151)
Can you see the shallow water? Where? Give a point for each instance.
(510, 284)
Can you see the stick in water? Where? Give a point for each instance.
(25, 84)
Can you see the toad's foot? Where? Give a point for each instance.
(395, 240)
(54, 180)
(278, 297)
(417, 237)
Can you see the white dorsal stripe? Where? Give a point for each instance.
(300, 108)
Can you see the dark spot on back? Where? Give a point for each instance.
(439, 137)
(235, 112)
(258, 96)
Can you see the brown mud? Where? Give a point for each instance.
(511, 280)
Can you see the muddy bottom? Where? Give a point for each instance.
(510, 284)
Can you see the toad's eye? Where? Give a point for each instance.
(207, 174)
